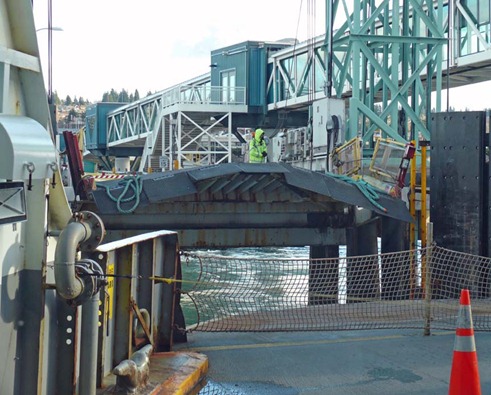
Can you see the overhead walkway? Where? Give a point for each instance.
(295, 68)
(191, 114)
(384, 60)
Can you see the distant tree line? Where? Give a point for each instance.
(68, 101)
(113, 96)
(74, 113)
(121, 97)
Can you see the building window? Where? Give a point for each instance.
(228, 86)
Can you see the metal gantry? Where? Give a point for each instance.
(391, 60)
(386, 57)
(391, 65)
(141, 117)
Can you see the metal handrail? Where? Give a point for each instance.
(182, 94)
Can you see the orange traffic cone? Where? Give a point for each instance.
(464, 378)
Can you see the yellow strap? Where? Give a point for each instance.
(166, 280)
(173, 280)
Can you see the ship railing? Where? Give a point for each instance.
(137, 306)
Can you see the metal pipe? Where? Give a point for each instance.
(84, 232)
(68, 285)
(412, 226)
(427, 276)
(422, 212)
(88, 346)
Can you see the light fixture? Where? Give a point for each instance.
(54, 28)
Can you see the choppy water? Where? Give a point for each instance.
(286, 285)
(296, 273)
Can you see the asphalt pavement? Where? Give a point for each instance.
(322, 363)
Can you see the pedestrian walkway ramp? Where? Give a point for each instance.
(408, 289)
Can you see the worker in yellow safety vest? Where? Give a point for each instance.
(257, 147)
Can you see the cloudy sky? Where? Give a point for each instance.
(151, 45)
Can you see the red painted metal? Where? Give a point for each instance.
(403, 167)
(75, 164)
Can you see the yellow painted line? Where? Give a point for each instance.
(192, 379)
(306, 343)
(184, 372)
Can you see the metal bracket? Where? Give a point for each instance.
(142, 321)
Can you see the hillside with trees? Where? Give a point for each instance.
(71, 111)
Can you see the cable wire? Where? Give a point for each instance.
(129, 184)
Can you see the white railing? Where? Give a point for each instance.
(138, 119)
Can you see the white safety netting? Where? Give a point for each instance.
(408, 289)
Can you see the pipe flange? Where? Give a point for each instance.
(94, 222)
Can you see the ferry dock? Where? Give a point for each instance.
(95, 274)
(342, 362)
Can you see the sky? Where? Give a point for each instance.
(151, 45)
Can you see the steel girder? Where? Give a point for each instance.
(175, 124)
(383, 54)
(137, 119)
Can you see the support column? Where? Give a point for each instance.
(323, 275)
(395, 270)
(362, 274)
(66, 345)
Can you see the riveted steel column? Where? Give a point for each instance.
(394, 68)
(66, 348)
(145, 287)
(104, 318)
(145, 270)
(88, 346)
(355, 71)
